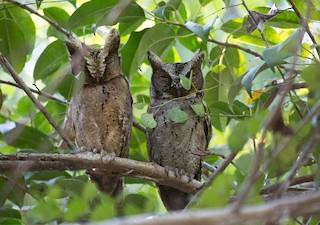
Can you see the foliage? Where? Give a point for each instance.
(261, 92)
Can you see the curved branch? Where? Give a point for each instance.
(88, 160)
(299, 205)
(305, 24)
(226, 44)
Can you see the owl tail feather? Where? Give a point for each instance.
(173, 199)
(111, 185)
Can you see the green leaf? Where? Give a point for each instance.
(157, 39)
(217, 194)
(218, 93)
(131, 18)
(310, 75)
(218, 68)
(185, 81)
(276, 54)
(199, 109)
(12, 191)
(106, 13)
(70, 85)
(103, 211)
(58, 15)
(45, 211)
(171, 5)
(13, 45)
(190, 42)
(201, 31)
(176, 115)
(137, 204)
(71, 187)
(25, 137)
(235, 88)
(44, 176)
(129, 53)
(76, 209)
(245, 130)
(56, 110)
(89, 191)
(314, 10)
(235, 61)
(139, 105)
(91, 12)
(56, 54)
(25, 106)
(23, 20)
(148, 120)
(138, 148)
(250, 75)
(285, 19)
(238, 32)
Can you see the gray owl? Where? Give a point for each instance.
(100, 115)
(177, 146)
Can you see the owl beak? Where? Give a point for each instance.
(176, 83)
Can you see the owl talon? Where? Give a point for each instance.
(174, 172)
(95, 150)
(84, 149)
(107, 157)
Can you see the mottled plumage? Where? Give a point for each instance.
(100, 115)
(177, 146)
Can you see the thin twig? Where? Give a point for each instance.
(5, 64)
(303, 157)
(298, 180)
(15, 182)
(226, 44)
(139, 126)
(211, 178)
(255, 22)
(251, 179)
(305, 24)
(51, 22)
(46, 95)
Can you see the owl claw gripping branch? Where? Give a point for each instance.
(100, 114)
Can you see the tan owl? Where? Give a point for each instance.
(100, 115)
(177, 146)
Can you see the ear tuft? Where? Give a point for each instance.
(154, 60)
(75, 49)
(198, 57)
(112, 41)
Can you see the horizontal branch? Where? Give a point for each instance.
(299, 205)
(87, 160)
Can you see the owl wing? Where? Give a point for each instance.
(68, 130)
(208, 128)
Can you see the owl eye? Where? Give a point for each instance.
(165, 78)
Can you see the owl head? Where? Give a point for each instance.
(99, 65)
(165, 80)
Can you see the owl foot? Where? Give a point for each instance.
(107, 157)
(176, 172)
(84, 149)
